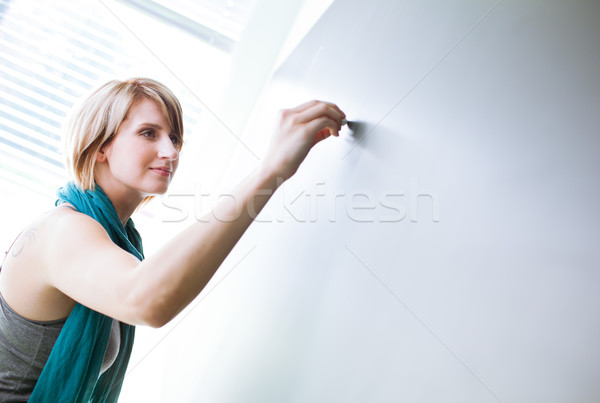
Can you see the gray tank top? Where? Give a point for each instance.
(24, 349)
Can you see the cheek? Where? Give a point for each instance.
(124, 160)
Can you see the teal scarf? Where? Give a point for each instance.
(72, 371)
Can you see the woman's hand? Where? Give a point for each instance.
(298, 130)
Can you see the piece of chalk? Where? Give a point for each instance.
(344, 122)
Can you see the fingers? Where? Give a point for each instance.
(320, 111)
(322, 135)
(311, 110)
(319, 120)
(323, 127)
(298, 130)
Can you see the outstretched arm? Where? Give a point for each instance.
(154, 291)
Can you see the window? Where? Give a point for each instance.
(52, 54)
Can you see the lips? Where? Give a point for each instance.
(162, 171)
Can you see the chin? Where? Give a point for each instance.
(154, 186)
(161, 190)
(157, 191)
(154, 189)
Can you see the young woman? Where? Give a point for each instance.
(75, 283)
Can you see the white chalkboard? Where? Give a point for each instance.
(447, 250)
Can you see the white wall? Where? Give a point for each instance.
(444, 251)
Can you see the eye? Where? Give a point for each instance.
(175, 140)
(147, 133)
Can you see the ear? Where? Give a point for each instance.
(101, 156)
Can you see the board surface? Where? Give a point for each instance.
(447, 250)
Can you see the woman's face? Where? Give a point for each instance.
(143, 155)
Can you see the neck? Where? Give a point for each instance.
(123, 201)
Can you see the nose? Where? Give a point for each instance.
(166, 149)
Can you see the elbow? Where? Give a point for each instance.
(152, 312)
(152, 316)
(151, 319)
(152, 305)
(156, 323)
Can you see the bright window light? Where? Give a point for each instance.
(52, 54)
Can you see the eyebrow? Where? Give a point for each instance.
(150, 124)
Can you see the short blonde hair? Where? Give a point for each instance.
(98, 118)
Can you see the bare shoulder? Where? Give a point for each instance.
(66, 224)
(33, 241)
(68, 238)
(47, 241)
(60, 229)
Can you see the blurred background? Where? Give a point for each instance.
(216, 56)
